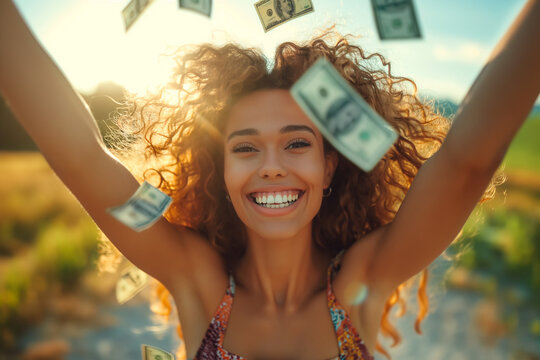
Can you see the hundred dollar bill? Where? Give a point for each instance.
(275, 12)
(131, 282)
(396, 19)
(132, 11)
(143, 209)
(201, 6)
(342, 115)
(154, 353)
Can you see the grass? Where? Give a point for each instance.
(524, 152)
(501, 239)
(46, 240)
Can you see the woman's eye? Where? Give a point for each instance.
(298, 143)
(243, 148)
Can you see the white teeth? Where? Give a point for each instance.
(276, 200)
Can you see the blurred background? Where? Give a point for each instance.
(484, 303)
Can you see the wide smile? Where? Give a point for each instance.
(277, 199)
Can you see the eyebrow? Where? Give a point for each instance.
(283, 130)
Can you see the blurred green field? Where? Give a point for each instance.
(499, 252)
(524, 152)
(46, 241)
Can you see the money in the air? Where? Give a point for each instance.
(143, 209)
(132, 11)
(201, 6)
(153, 353)
(342, 115)
(276, 12)
(396, 19)
(131, 282)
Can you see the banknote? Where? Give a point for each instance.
(131, 282)
(153, 353)
(132, 11)
(275, 12)
(342, 115)
(143, 209)
(396, 19)
(201, 6)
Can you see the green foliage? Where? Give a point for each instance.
(505, 245)
(46, 240)
(525, 148)
(64, 251)
(501, 242)
(14, 287)
(32, 196)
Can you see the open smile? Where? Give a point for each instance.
(276, 200)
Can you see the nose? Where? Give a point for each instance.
(272, 167)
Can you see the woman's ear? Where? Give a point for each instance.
(331, 162)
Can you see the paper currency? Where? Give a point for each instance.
(201, 6)
(396, 19)
(342, 116)
(154, 353)
(132, 11)
(275, 12)
(131, 282)
(143, 209)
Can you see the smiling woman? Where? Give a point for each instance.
(267, 216)
(274, 198)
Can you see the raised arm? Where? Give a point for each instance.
(449, 185)
(63, 128)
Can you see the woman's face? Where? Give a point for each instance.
(275, 166)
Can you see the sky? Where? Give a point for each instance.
(87, 39)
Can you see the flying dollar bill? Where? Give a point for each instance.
(275, 12)
(143, 209)
(131, 282)
(201, 6)
(396, 19)
(154, 353)
(342, 115)
(132, 11)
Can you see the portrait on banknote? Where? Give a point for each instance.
(284, 8)
(343, 116)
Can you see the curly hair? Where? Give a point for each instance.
(180, 128)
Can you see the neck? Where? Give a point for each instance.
(283, 274)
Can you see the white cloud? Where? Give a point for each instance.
(464, 52)
(461, 51)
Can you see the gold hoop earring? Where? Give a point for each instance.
(326, 192)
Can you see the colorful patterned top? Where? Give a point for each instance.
(351, 346)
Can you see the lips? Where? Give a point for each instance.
(276, 199)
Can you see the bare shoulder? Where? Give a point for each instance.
(354, 272)
(204, 275)
(356, 261)
(209, 271)
(353, 279)
(197, 287)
